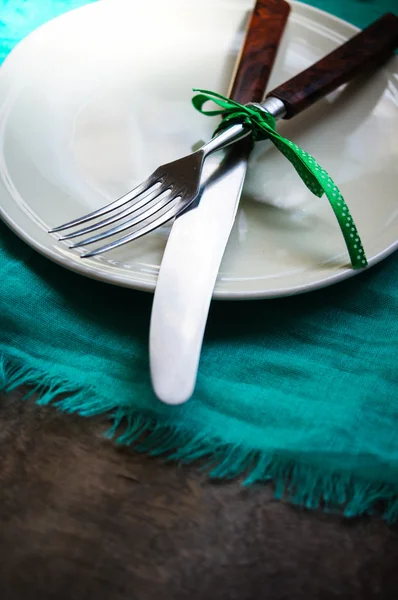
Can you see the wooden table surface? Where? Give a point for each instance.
(83, 519)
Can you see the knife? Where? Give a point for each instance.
(198, 238)
(189, 268)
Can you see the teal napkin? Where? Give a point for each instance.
(299, 391)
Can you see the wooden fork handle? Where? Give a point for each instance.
(368, 49)
(259, 50)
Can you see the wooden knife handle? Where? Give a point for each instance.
(366, 50)
(259, 50)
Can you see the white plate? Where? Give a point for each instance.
(93, 101)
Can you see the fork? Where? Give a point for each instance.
(175, 186)
(165, 194)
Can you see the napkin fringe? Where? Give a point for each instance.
(294, 482)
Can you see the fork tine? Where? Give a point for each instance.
(120, 215)
(167, 216)
(156, 207)
(139, 189)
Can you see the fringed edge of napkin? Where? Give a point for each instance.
(294, 482)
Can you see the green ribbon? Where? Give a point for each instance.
(317, 180)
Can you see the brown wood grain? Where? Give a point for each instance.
(81, 519)
(362, 53)
(259, 50)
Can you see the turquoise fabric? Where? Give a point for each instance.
(301, 391)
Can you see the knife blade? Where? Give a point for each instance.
(189, 266)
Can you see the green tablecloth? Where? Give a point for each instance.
(301, 391)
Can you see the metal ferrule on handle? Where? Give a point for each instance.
(229, 136)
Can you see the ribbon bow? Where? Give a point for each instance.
(317, 180)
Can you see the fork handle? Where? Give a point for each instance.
(368, 49)
(258, 52)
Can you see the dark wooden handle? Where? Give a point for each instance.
(259, 50)
(366, 50)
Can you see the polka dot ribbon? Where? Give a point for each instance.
(314, 177)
